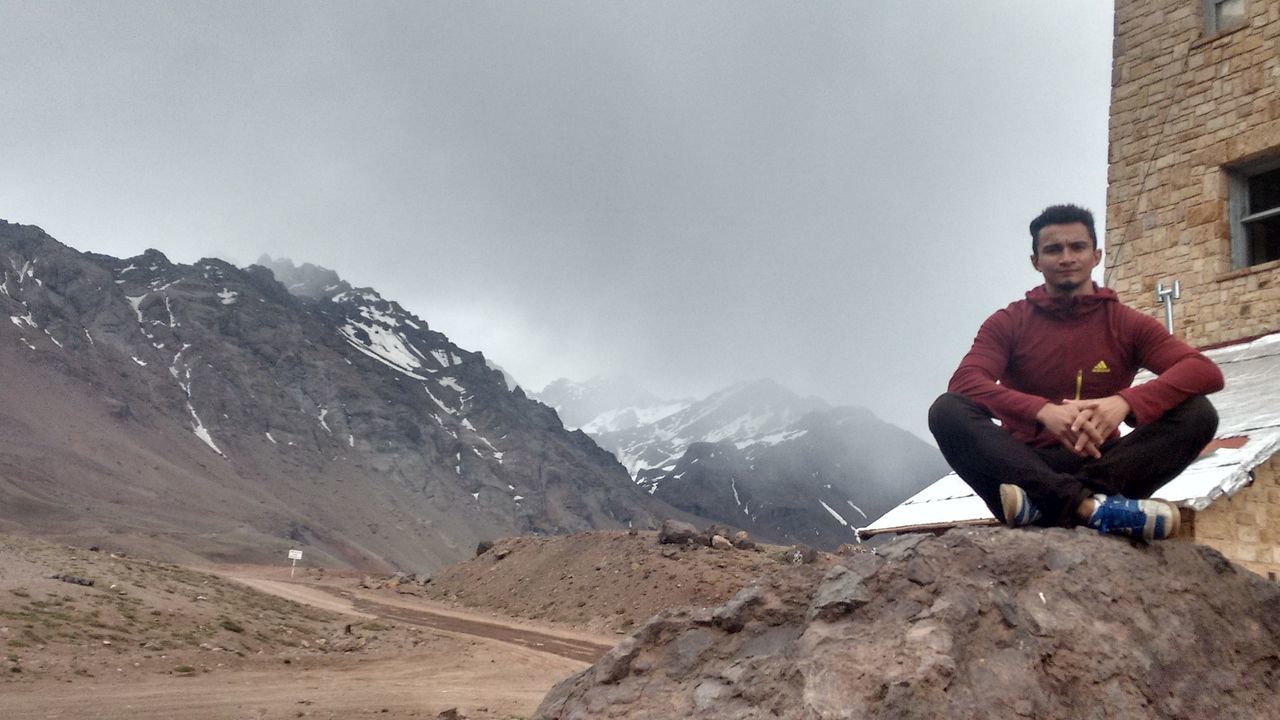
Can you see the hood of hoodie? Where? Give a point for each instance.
(1066, 308)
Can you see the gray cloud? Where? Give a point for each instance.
(831, 194)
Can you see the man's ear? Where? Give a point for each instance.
(1035, 262)
(1097, 256)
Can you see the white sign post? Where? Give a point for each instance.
(295, 556)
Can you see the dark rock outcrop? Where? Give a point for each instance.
(977, 623)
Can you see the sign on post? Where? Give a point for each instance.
(294, 556)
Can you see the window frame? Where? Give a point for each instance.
(1211, 17)
(1238, 210)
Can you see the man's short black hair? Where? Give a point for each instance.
(1061, 215)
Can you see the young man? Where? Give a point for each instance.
(1055, 369)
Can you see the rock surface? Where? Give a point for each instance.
(977, 623)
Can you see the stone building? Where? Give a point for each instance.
(1194, 197)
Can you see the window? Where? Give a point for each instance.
(1223, 15)
(1255, 215)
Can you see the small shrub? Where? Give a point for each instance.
(184, 669)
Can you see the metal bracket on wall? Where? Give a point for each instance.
(1165, 296)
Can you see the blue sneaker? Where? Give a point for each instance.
(1144, 519)
(1017, 507)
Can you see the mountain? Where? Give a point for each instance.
(209, 412)
(784, 467)
(602, 403)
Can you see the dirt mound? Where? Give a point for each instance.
(75, 613)
(977, 623)
(599, 581)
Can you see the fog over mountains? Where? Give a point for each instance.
(755, 455)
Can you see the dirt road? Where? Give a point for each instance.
(423, 614)
(486, 668)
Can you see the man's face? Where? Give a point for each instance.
(1066, 257)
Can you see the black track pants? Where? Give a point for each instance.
(1057, 480)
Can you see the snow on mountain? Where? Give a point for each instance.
(746, 413)
(759, 457)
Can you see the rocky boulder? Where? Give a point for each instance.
(977, 623)
(676, 532)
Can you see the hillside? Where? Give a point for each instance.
(205, 412)
(604, 582)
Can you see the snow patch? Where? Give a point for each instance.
(855, 507)
(834, 514)
(168, 306)
(443, 407)
(273, 440)
(201, 431)
(135, 301)
(323, 424)
(385, 346)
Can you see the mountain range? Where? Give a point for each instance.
(756, 455)
(209, 412)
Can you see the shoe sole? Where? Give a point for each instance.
(1175, 521)
(1010, 497)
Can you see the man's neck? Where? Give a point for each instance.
(1086, 288)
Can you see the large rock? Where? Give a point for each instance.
(977, 623)
(675, 532)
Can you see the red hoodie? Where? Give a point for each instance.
(1047, 349)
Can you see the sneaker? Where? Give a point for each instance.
(1143, 519)
(1017, 507)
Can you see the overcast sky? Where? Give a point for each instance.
(834, 195)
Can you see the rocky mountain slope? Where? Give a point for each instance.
(205, 410)
(757, 456)
(977, 623)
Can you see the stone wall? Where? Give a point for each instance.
(1183, 108)
(1246, 526)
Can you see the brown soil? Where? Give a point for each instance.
(154, 640)
(601, 582)
(489, 636)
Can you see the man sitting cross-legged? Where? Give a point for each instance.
(1055, 369)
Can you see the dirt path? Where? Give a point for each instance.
(573, 649)
(486, 668)
(566, 644)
